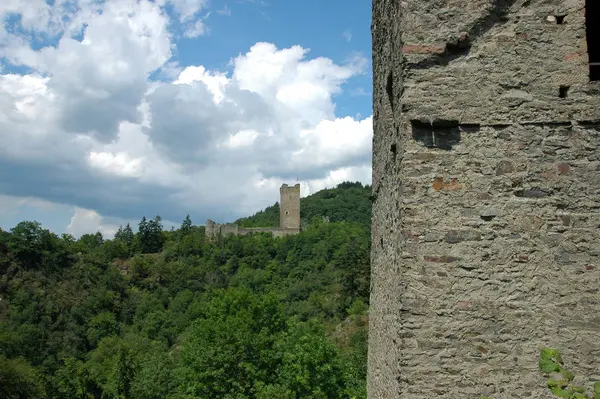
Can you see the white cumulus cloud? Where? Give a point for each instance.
(83, 122)
(85, 221)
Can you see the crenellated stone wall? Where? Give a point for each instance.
(486, 187)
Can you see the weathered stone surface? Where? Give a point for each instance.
(289, 215)
(485, 246)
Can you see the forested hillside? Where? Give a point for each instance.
(349, 202)
(157, 314)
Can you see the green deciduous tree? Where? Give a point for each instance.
(19, 380)
(172, 315)
(186, 226)
(112, 367)
(102, 325)
(230, 349)
(311, 367)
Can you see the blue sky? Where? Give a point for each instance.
(334, 29)
(114, 110)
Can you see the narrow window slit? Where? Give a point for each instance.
(560, 19)
(563, 91)
(592, 24)
(389, 88)
(394, 150)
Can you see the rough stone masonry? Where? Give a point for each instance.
(486, 187)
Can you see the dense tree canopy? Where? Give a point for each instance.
(156, 314)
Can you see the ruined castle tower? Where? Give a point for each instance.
(289, 218)
(486, 186)
(289, 207)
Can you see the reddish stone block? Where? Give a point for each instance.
(522, 258)
(422, 49)
(572, 57)
(439, 184)
(563, 168)
(412, 236)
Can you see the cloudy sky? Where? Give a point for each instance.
(112, 110)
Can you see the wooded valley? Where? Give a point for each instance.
(167, 314)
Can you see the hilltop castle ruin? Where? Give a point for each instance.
(289, 218)
(486, 187)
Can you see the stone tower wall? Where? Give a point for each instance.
(212, 229)
(289, 217)
(486, 186)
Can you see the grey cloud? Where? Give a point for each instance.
(288, 170)
(187, 124)
(185, 168)
(88, 101)
(101, 81)
(73, 183)
(81, 112)
(183, 120)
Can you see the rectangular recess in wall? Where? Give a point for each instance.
(592, 25)
(442, 134)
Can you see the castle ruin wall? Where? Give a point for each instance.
(486, 187)
(289, 207)
(289, 218)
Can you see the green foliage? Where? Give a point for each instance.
(150, 238)
(310, 362)
(550, 360)
(37, 248)
(348, 202)
(112, 367)
(186, 226)
(560, 382)
(353, 357)
(274, 392)
(125, 237)
(230, 348)
(91, 241)
(156, 314)
(100, 326)
(72, 380)
(269, 217)
(18, 380)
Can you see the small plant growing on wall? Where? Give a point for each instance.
(560, 381)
